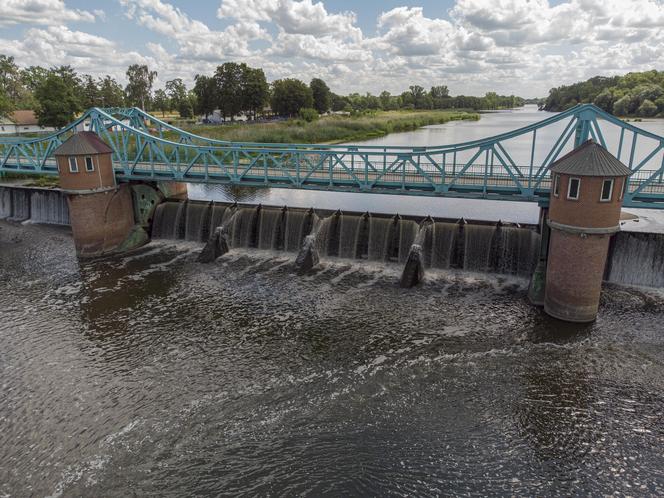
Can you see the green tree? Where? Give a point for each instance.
(176, 92)
(255, 90)
(139, 88)
(228, 82)
(6, 105)
(308, 114)
(339, 103)
(32, 76)
(419, 97)
(90, 95)
(289, 96)
(58, 101)
(605, 100)
(622, 106)
(385, 99)
(187, 105)
(111, 93)
(205, 91)
(161, 101)
(647, 109)
(439, 95)
(321, 95)
(10, 78)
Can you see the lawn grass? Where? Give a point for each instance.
(329, 129)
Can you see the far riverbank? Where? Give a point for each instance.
(330, 129)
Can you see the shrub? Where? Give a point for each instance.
(308, 114)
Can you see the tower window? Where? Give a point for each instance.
(622, 189)
(89, 166)
(607, 190)
(556, 185)
(573, 188)
(73, 167)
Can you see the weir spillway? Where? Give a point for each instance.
(494, 248)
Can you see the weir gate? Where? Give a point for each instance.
(118, 165)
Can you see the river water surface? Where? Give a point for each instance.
(152, 374)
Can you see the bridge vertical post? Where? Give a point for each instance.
(582, 131)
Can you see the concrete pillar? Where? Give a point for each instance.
(584, 211)
(101, 211)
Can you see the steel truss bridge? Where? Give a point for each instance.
(509, 166)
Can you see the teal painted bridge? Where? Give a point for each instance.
(509, 166)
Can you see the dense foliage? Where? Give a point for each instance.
(634, 94)
(57, 94)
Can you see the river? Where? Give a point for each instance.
(152, 374)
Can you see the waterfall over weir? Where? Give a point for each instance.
(636, 259)
(477, 248)
(34, 205)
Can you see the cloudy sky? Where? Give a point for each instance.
(511, 46)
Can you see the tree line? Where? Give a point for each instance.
(58, 94)
(634, 94)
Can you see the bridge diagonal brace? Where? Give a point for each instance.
(509, 158)
(219, 163)
(508, 169)
(340, 161)
(422, 172)
(467, 165)
(318, 166)
(394, 165)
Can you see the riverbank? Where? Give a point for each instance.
(330, 129)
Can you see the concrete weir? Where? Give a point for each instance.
(313, 235)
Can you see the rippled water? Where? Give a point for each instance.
(154, 374)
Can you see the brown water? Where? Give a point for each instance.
(152, 374)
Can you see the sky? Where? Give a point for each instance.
(520, 47)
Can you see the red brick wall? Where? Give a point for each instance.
(102, 221)
(587, 211)
(102, 176)
(574, 275)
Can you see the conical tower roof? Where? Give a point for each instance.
(590, 159)
(81, 144)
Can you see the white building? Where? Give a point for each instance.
(21, 122)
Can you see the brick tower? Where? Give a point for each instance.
(100, 210)
(584, 211)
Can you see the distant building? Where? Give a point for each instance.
(24, 121)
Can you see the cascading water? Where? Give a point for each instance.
(270, 229)
(295, 230)
(349, 228)
(478, 248)
(167, 221)
(198, 222)
(439, 251)
(49, 207)
(381, 235)
(482, 248)
(637, 259)
(34, 205)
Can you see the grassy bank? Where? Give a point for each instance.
(330, 129)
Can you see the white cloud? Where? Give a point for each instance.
(293, 16)
(43, 12)
(511, 46)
